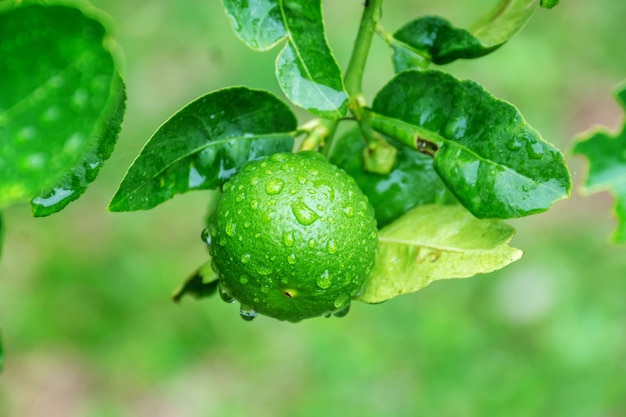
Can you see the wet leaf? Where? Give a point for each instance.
(433, 38)
(606, 153)
(56, 80)
(74, 183)
(436, 242)
(201, 284)
(485, 152)
(259, 23)
(412, 181)
(204, 143)
(305, 68)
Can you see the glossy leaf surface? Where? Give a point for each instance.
(259, 23)
(204, 143)
(71, 186)
(306, 69)
(56, 80)
(412, 181)
(435, 242)
(433, 38)
(607, 168)
(489, 157)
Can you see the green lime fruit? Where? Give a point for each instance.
(292, 237)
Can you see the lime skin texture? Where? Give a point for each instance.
(292, 237)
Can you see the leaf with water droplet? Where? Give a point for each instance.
(468, 129)
(204, 144)
(606, 153)
(434, 242)
(201, 284)
(61, 104)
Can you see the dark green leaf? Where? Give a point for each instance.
(55, 78)
(434, 242)
(489, 157)
(607, 167)
(433, 38)
(412, 181)
(258, 23)
(75, 182)
(306, 69)
(201, 284)
(203, 144)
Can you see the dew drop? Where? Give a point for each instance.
(303, 213)
(342, 312)
(302, 180)
(324, 281)
(288, 239)
(312, 242)
(331, 247)
(243, 279)
(240, 197)
(230, 228)
(342, 301)
(254, 205)
(291, 259)
(514, 144)
(245, 258)
(349, 211)
(263, 270)
(246, 225)
(254, 180)
(274, 186)
(224, 295)
(206, 236)
(247, 313)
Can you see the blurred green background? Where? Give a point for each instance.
(90, 330)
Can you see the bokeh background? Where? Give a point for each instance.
(90, 330)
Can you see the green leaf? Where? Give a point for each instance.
(503, 21)
(259, 23)
(607, 167)
(201, 284)
(412, 181)
(489, 157)
(433, 38)
(435, 242)
(56, 80)
(204, 143)
(306, 69)
(75, 182)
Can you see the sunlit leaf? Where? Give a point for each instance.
(201, 284)
(71, 186)
(56, 78)
(606, 153)
(489, 157)
(433, 38)
(435, 242)
(412, 181)
(204, 143)
(305, 68)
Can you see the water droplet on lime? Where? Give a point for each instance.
(206, 236)
(274, 186)
(312, 242)
(247, 313)
(288, 239)
(263, 270)
(230, 228)
(324, 281)
(331, 247)
(349, 211)
(303, 213)
(245, 258)
(291, 259)
(243, 279)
